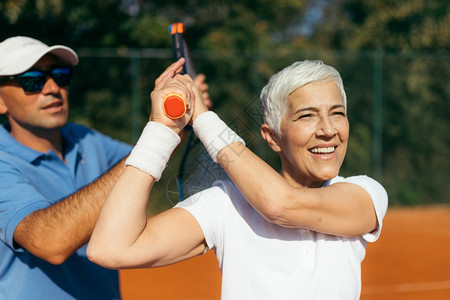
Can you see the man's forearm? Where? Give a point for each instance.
(56, 232)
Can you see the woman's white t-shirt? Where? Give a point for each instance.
(261, 260)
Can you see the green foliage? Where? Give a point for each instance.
(240, 44)
(390, 25)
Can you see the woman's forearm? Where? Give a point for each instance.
(122, 219)
(341, 209)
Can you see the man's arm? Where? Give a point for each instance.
(56, 232)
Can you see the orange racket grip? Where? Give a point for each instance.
(174, 106)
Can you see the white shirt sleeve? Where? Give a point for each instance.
(379, 199)
(209, 208)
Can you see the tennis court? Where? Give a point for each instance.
(411, 260)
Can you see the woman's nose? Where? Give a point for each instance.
(326, 128)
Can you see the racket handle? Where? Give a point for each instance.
(174, 106)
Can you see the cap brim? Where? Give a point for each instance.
(23, 63)
(65, 54)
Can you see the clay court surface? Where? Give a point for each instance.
(411, 260)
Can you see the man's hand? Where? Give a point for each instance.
(200, 80)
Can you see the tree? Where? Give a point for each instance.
(408, 34)
(240, 44)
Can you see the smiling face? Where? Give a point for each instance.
(313, 134)
(45, 110)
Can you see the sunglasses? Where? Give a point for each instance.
(34, 80)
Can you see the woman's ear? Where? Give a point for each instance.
(270, 137)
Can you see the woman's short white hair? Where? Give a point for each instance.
(273, 98)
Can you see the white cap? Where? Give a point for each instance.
(20, 53)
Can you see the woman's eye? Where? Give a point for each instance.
(305, 116)
(339, 113)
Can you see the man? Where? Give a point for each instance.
(54, 177)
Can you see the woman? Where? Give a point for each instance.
(296, 234)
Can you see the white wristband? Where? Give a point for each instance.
(214, 133)
(153, 149)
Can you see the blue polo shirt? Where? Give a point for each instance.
(32, 180)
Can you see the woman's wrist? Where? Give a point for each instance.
(153, 149)
(214, 133)
(160, 120)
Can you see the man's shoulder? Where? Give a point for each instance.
(6, 157)
(74, 129)
(78, 133)
(12, 164)
(5, 137)
(92, 139)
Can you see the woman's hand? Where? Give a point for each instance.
(172, 82)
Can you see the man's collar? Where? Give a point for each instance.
(9, 144)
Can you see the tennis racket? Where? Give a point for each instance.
(181, 49)
(197, 171)
(174, 105)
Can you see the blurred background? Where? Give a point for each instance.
(394, 57)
